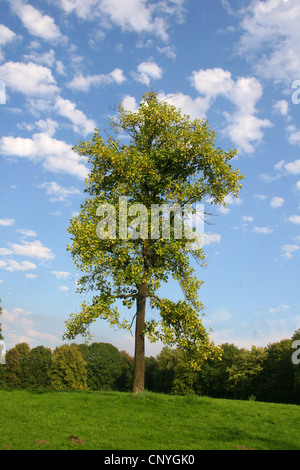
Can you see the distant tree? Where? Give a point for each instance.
(124, 381)
(185, 378)
(68, 369)
(169, 161)
(14, 374)
(151, 368)
(36, 367)
(214, 375)
(165, 372)
(277, 381)
(104, 363)
(246, 372)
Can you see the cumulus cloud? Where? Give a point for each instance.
(289, 250)
(6, 222)
(133, 15)
(295, 219)
(80, 122)
(276, 202)
(55, 155)
(81, 83)
(12, 265)
(243, 126)
(57, 192)
(193, 107)
(147, 71)
(6, 36)
(37, 24)
(31, 79)
(33, 249)
(271, 37)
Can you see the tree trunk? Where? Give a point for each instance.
(139, 353)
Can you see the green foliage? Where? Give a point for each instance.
(169, 159)
(245, 373)
(37, 367)
(14, 373)
(262, 374)
(68, 369)
(104, 363)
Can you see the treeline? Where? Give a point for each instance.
(264, 374)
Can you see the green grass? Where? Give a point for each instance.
(124, 421)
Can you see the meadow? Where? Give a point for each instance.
(56, 420)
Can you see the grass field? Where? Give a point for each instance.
(123, 421)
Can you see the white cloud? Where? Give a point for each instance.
(64, 288)
(55, 155)
(81, 83)
(33, 249)
(282, 107)
(231, 201)
(6, 36)
(30, 276)
(243, 126)
(293, 167)
(195, 108)
(247, 218)
(12, 265)
(130, 104)
(276, 202)
(288, 250)
(57, 192)
(262, 230)
(81, 123)
(146, 71)
(26, 232)
(133, 15)
(21, 327)
(37, 24)
(6, 222)
(293, 134)
(272, 38)
(46, 58)
(210, 238)
(295, 219)
(280, 309)
(30, 79)
(60, 274)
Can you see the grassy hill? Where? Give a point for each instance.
(123, 421)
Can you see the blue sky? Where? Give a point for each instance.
(65, 63)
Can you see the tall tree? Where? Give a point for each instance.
(170, 160)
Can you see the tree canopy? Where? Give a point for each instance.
(171, 161)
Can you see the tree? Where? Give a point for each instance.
(104, 363)
(37, 366)
(14, 374)
(68, 369)
(170, 162)
(245, 373)
(278, 376)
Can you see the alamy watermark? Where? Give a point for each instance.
(296, 93)
(187, 223)
(296, 354)
(2, 352)
(2, 92)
